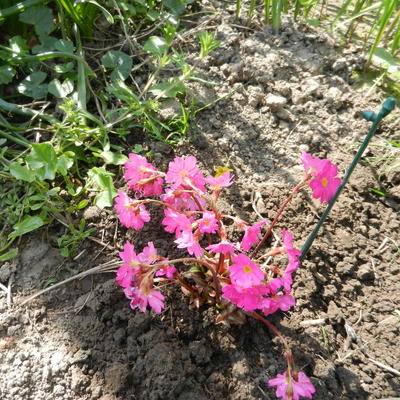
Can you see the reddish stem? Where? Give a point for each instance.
(273, 329)
(295, 190)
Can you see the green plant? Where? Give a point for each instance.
(69, 242)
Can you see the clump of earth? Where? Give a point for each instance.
(293, 92)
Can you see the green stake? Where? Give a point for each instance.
(387, 107)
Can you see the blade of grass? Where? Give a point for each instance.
(388, 9)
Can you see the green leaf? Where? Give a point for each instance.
(64, 45)
(6, 74)
(61, 90)
(383, 58)
(41, 18)
(64, 68)
(176, 7)
(119, 62)
(113, 158)
(155, 45)
(138, 148)
(32, 85)
(103, 180)
(168, 89)
(82, 204)
(64, 163)
(43, 159)
(18, 45)
(9, 255)
(52, 281)
(22, 173)
(28, 224)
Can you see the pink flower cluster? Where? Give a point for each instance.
(324, 184)
(136, 276)
(189, 201)
(250, 288)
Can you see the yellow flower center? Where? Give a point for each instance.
(324, 182)
(247, 269)
(183, 173)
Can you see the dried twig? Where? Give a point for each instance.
(384, 366)
(106, 267)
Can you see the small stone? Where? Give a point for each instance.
(334, 313)
(366, 273)
(170, 109)
(275, 103)
(340, 64)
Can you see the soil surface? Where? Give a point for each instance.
(294, 93)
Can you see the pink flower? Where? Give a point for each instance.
(182, 201)
(277, 299)
(131, 213)
(125, 276)
(186, 240)
(142, 176)
(293, 254)
(291, 387)
(244, 272)
(208, 224)
(325, 184)
(248, 299)
(126, 273)
(166, 270)
(313, 165)
(251, 235)
(174, 221)
(184, 172)
(223, 247)
(149, 254)
(154, 299)
(220, 181)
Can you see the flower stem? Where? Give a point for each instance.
(273, 329)
(295, 190)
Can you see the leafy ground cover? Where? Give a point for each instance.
(273, 96)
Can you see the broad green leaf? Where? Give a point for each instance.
(41, 18)
(61, 90)
(176, 7)
(6, 74)
(64, 163)
(103, 180)
(168, 89)
(43, 159)
(9, 255)
(138, 148)
(48, 43)
(119, 62)
(64, 45)
(18, 45)
(28, 224)
(113, 158)
(64, 68)
(22, 173)
(155, 45)
(32, 85)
